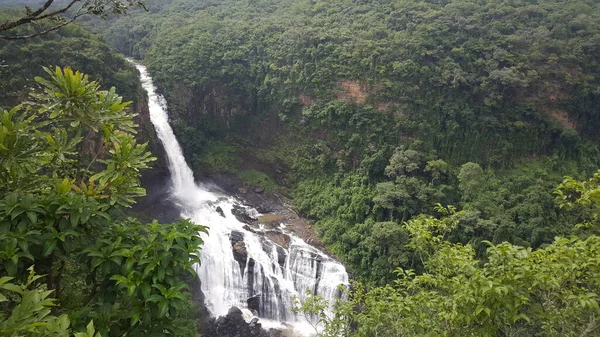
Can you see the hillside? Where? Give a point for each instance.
(369, 113)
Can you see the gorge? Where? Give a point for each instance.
(443, 155)
(241, 266)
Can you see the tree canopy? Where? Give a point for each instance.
(369, 113)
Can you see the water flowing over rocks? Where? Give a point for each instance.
(241, 214)
(255, 259)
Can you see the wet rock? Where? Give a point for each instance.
(281, 256)
(255, 327)
(248, 228)
(279, 238)
(266, 245)
(222, 320)
(269, 203)
(259, 190)
(235, 312)
(220, 211)
(253, 302)
(275, 333)
(240, 213)
(240, 254)
(271, 219)
(264, 208)
(250, 279)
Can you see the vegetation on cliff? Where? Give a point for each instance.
(371, 112)
(22, 60)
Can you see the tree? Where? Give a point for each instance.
(69, 166)
(583, 196)
(437, 168)
(403, 162)
(471, 178)
(515, 291)
(48, 17)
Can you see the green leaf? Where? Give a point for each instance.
(145, 289)
(90, 328)
(11, 267)
(163, 308)
(12, 287)
(55, 114)
(64, 187)
(32, 217)
(49, 247)
(154, 298)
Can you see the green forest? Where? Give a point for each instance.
(446, 151)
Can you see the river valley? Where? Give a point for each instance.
(257, 266)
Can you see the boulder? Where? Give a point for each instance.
(233, 325)
(255, 327)
(241, 215)
(220, 211)
(254, 303)
(275, 333)
(240, 254)
(248, 228)
(279, 238)
(234, 313)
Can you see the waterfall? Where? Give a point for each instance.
(240, 266)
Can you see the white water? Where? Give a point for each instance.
(270, 272)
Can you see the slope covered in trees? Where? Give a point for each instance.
(519, 72)
(369, 113)
(514, 291)
(22, 60)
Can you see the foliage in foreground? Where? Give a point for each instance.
(69, 165)
(32, 315)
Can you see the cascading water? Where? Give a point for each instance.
(240, 265)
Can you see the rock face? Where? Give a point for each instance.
(156, 204)
(279, 238)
